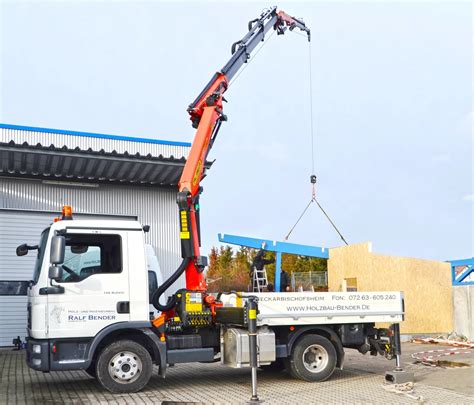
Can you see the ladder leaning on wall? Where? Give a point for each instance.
(259, 280)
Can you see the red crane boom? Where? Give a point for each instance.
(206, 114)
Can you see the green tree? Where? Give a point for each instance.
(230, 271)
(305, 263)
(225, 266)
(241, 269)
(213, 269)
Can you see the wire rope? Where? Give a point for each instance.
(298, 220)
(313, 176)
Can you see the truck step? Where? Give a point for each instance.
(183, 341)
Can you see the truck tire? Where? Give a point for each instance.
(313, 358)
(124, 366)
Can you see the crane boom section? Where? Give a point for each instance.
(206, 115)
(241, 51)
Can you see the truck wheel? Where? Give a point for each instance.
(124, 366)
(313, 358)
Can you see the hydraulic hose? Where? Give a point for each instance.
(155, 300)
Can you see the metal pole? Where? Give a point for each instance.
(252, 326)
(398, 376)
(278, 272)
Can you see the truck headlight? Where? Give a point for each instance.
(37, 362)
(36, 349)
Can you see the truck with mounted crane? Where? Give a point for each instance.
(88, 302)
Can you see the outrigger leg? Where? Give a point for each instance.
(398, 376)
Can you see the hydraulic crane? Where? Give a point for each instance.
(206, 114)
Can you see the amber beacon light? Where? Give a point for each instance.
(67, 212)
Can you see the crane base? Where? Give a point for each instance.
(399, 376)
(257, 401)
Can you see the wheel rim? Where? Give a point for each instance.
(315, 358)
(125, 367)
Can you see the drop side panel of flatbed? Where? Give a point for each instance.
(320, 308)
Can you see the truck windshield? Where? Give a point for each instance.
(40, 255)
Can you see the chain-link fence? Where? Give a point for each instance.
(309, 281)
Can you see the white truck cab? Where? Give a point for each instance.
(101, 287)
(155, 278)
(102, 272)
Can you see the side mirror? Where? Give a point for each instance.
(22, 250)
(55, 273)
(58, 246)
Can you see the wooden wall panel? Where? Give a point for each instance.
(425, 283)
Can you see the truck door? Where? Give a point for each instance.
(96, 284)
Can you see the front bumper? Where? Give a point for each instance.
(37, 354)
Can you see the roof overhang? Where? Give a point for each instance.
(52, 163)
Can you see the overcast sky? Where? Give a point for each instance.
(393, 114)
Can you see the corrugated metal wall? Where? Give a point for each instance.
(95, 143)
(152, 206)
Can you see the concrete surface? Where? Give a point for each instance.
(360, 382)
(463, 297)
(456, 379)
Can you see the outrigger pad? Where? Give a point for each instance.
(399, 377)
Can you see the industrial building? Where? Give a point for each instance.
(100, 176)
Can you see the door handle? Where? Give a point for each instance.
(123, 307)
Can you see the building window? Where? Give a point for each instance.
(351, 284)
(87, 255)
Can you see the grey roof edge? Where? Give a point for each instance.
(116, 168)
(94, 135)
(79, 151)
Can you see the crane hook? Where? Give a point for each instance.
(313, 182)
